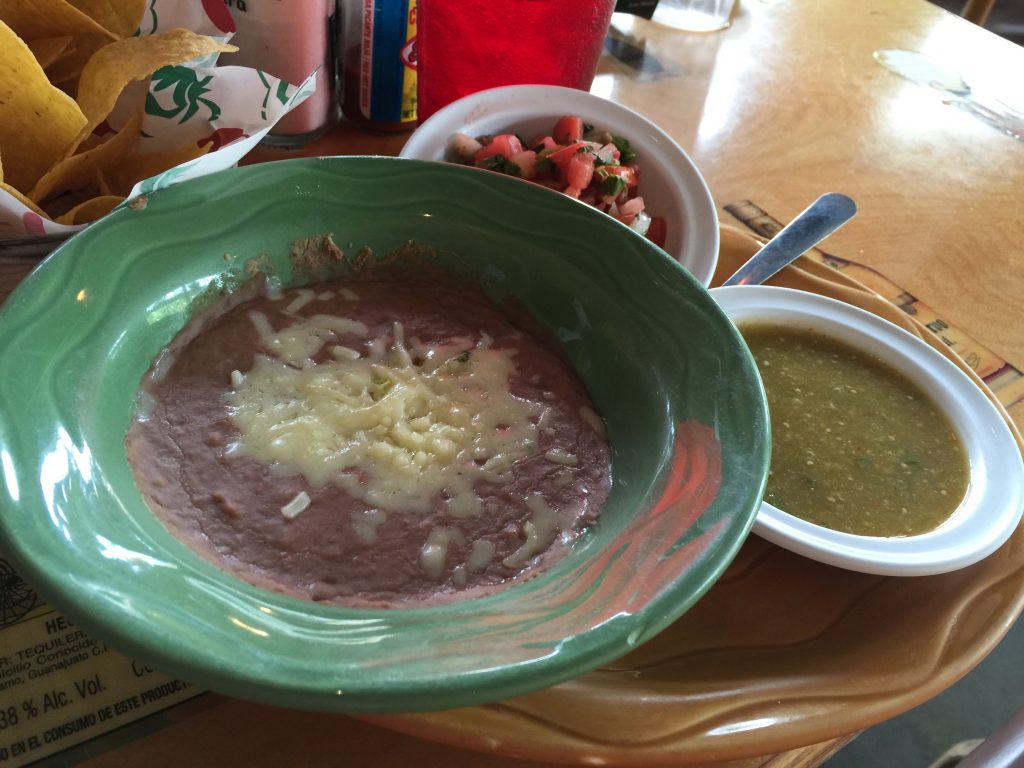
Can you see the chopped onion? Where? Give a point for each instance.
(465, 146)
(641, 223)
(634, 205)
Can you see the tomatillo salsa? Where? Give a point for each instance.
(856, 446)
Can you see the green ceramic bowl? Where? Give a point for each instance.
(684, 407)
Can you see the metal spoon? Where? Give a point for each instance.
(822, 217)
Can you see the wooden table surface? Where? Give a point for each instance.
(784, 105)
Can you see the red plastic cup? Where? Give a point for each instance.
(465, 46)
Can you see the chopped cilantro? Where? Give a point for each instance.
(545, 165)
(463, 358)
(500, 164)
(490, 162)
(612, 186)
(626, 154)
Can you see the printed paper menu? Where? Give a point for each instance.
(59, 686)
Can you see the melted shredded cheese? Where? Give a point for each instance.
(595, 421)
(559, 456)
(481, 555)
(541, 529)
(393, 433)
(305, 295)
(365, 523)
(297, 343)
(435, 550)
(296, 506)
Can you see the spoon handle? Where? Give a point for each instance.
(822, 217)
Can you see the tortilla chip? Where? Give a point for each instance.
(114, 66)
(78, 172)
(90, 210)
(66, 70)
(122, 17)
(48, 49)
(32, 19)
(38, 122)
(90, 143)
(22, 199)
(141, 165)
(101, 183)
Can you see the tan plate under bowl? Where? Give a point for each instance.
(783, 651)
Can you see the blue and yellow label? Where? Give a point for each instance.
(388, 66)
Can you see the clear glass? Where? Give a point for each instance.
(694, 15)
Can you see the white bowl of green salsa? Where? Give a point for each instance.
(886, 457)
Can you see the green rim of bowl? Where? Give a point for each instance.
(686, 413)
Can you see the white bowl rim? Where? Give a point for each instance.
(504, 107)
(993, 505)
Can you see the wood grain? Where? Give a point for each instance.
(210, 737)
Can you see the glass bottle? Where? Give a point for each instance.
(289, 39)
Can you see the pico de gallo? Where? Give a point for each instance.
(594, 166)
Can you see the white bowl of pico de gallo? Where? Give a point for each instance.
(589, 148)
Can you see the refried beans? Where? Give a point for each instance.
(369, 443)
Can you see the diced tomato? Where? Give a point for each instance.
(561, 157)
(586, 170)
(568, 130)
(527, 162)
(543, 142)
(504, 144)
(658, 231)
(580, 170)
